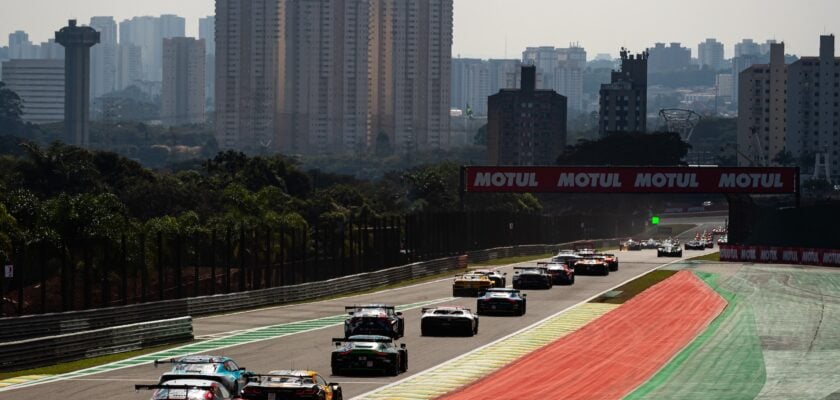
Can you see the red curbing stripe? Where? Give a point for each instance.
(614, 354)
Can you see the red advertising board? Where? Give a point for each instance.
(630, 180)
(780, 255)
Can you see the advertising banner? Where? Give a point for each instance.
(780, 255)
(630, 180)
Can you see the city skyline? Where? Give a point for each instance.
(728, 22)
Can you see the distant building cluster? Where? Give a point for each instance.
(790, 112)
(624, 100)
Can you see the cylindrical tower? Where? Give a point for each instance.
(77, 42)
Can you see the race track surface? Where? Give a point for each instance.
(311, 349)
(611, 356)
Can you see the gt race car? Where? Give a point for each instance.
(502, 301)
(611, 259)
(651, 244)
(291, 385)
(374, 319)
(531, 278)
(189, 387)
(593, 265)
(561, 273)
(448, 321)
(471, 285)
(695, 245)
(631, 245)
(499, 279)
(368, 353)
(230, 374)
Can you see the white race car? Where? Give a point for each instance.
(448, 321)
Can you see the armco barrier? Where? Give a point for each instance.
(19, 328)
(780, 255)
(31, 353)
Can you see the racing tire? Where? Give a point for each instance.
(338, 395)
(469, 332)
(336, 371)
(475, 330)
(404, 362)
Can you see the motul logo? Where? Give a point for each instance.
(831, 258)
(790, 255)
(810, 256)
(748, 254)
(769, 255)
(589, 180)
(729, 254)
(506, 179)
(751, 181)
(667, 181)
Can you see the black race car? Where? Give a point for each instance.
(592, 265)
(569, 258)
(611, 259)
(670, 250)
(293, 385)
(531, 278)
(447, 321)
(368, 353)
(501, 301)
(695, 245)
(631, 245)
(374, 319)
(561, 273)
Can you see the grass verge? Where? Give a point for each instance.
(83, 364)
(707, 257)
(634, 287)
(510, 260)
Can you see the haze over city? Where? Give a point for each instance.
(483, 27)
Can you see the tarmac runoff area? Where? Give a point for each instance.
(614, 354)
(779, 338)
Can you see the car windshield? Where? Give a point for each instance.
(448, 312)
(289, 379)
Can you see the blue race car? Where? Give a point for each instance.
(501, 301)
(233, 376)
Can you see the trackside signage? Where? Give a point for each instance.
(780, 255)
(630, 180)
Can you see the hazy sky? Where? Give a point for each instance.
(483, 27)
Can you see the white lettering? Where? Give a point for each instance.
(790, 255)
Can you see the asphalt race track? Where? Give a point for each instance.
(311, 350)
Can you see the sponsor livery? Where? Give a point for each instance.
(630, 180)
(777, 255)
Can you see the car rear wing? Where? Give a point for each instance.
(368, 339)
(201, 377)
(528, 268)
(427, 309)
(371, 306)
(186, 362)
(257, 377)
(171, 387)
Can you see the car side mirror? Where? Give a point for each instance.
(402, 345)
(243, 369)
(399, 313)
(338, 343)
(350, 313)
(524, 295)
(504, 274)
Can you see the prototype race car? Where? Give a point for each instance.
(471, 285)
(568, 258)
(592, 265)
(670, 250)
(499, 279)
(695, 245)
(651, 244)
(531, 278)
(291, 385)
(502, 301)
(631, 245)
(446, 321)
(368, 353)
(374, 319)
(181, 387)
(723, 240)
(561, 273)
(231, 375)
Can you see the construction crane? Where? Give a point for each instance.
(680, 121)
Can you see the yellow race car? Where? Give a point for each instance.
(471, 285)
(291, 385)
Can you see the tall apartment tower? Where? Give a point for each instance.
(813, 113)
(710, 54)
(762, 110)
(77, 42)
(104, 57)
(560, 69)
(328, 75)
(623, 101)
(669, 58)
(411, 90)
(182, 89)
(250, 44)
(526, 126)
(129, 65)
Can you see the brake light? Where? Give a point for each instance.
(209, 396)
(251, 390)
(306, 392)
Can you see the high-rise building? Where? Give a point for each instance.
(77, 42)
(560, 69)
(172, 26)
(250, 44)
(473, 80)
(723, 86)
(623, 101)
(20, 47)
(148, 33)
(182, 89)
(670, 58)
(813, 107)
(747, 47)
(50, 50)
(710, 54)
(129, 65)
(526, 126)
(762, 110)
(739, 64)
(40, 85)
(328, 73)
(764, 48)
(411, 92)
(207, 31)
(103, 57)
